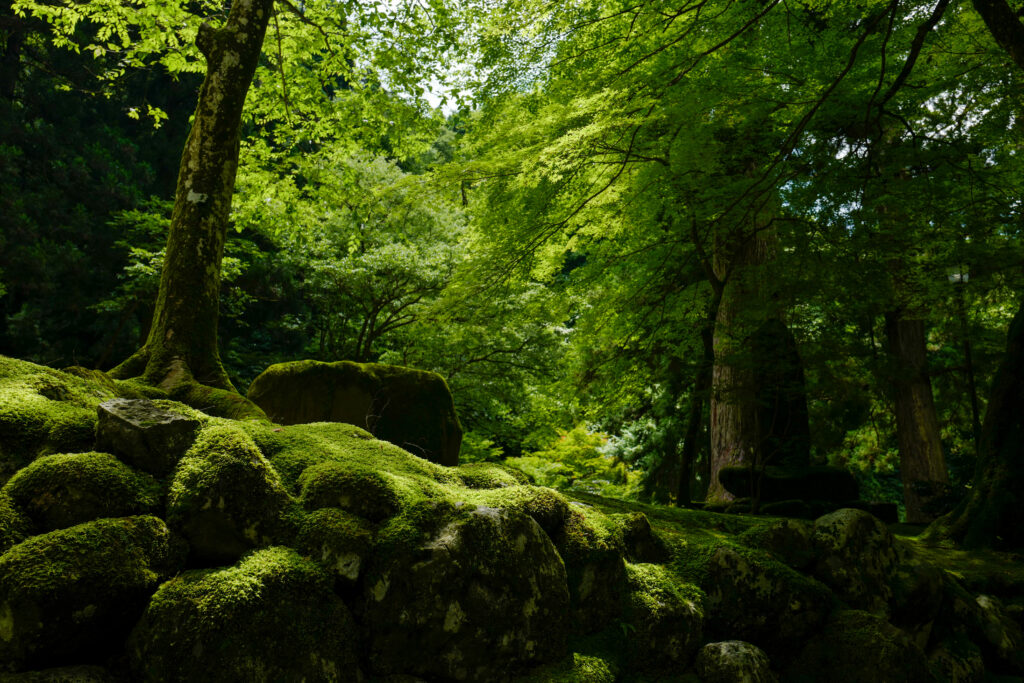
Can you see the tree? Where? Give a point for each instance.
(181, 353)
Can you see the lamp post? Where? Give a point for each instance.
(958, 277)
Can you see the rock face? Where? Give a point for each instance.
(485, 596)
(732, 661)
(144, 435)
(272, 617)
(68, 595)
(410, 408)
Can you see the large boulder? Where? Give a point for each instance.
(226, 499)
(665, 618)
(752, 597)
(72, 595)
(143, 434)
(484, 596)
(359, 490)
(857, 558)
(859, 647)
(58, 491)
(731, 661)
(410, 408)
(272, 617)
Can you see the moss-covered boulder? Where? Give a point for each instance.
(58, 491)
(486, 595)
(827, 484)
(71, 596)
(664, 618)
(595, 571)
(226, 499)
(410, 408)
(731, 661)
(788, 540)
(14, 525)
(359, 490)
(856, 558)
(860, 647)
(43, 411)
(341, 543)
(957, 660)
(148, 436)
(918, 591)
(272, 617)
(754, 598)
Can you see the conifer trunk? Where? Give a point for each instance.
(922, 465)
(182, 343)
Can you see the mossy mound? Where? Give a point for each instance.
(410, 408)
(225, 498)
(480, 576)
(70, 596)
(272, 617)
(58, 491)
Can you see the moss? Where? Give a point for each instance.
(337, 541)
(43, 411)
(75, 592)
(271, 617)
(59, 491)
(14, 525)
(486, 475)
(664, 617)
(225, 497)
(577, 668)
(547, 507)
(411, 408)
(361, 491)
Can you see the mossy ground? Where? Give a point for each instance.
(45, 412)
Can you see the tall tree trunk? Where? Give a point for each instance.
(182, 345)
(922, 465)
(735, 435)
(991, 514)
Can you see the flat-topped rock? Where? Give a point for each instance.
(143, 434)
(412, 409)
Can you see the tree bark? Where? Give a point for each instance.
(922, 465)
(735, 435)
(990, 516)
(182, 344)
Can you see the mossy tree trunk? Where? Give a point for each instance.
(181, 349)
(991, 515)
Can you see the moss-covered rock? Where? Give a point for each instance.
(957, 660)
(485, 596)
(641, 542)
(547, 507)
(146, 435)
(410, 408)
(72, 595)
(58, 491)
(338, 541)
(14, 525)
(856, 558)
(754, 598)
(731, 661)
(860, 647)
(488, 475)
(272, 617)
(43, 411)
(918, 591)
(359, 490)
(577, 668)
(788, 540)
(595, 571)
(226, 499)
(664, 619)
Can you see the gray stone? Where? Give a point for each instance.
(733, 661)
(144, 435)
(484, 596)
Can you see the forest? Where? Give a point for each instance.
(711, 308)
